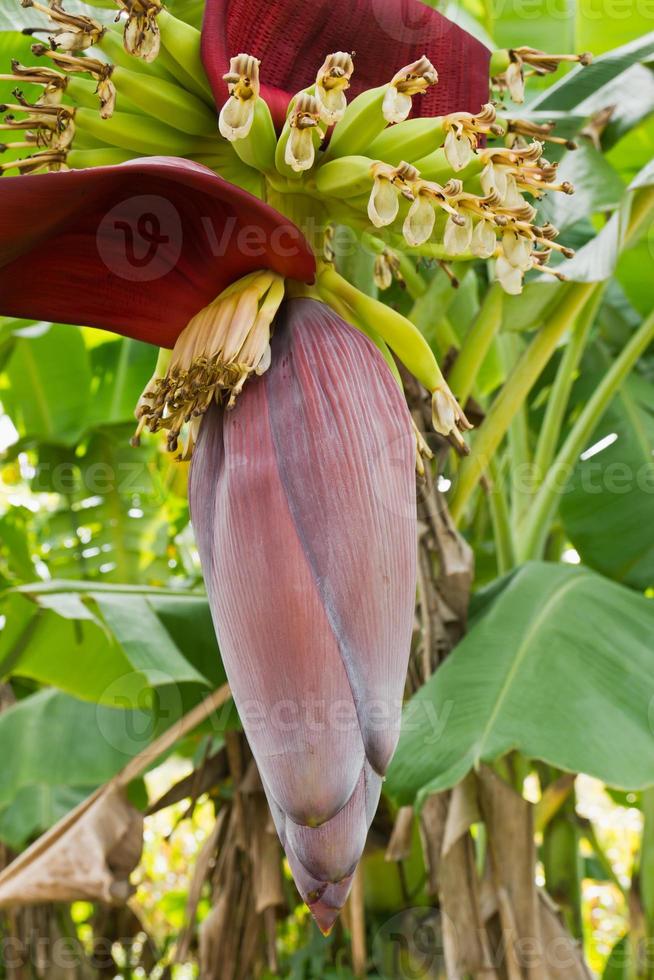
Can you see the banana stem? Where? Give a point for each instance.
(477, 344)
(531, 364)
(559, 397)
(534, 531)
(646, 873)
(347, 314)
(501, 520)
(181, 42)
(511, 346)
(142, 134)
(400, 334)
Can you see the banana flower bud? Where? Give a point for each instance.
(303, 505)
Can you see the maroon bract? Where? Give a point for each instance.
(303, 505)
(384, 35)
(68, 249)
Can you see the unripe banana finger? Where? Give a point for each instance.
(281, 165)
(408, 141)
(362, 122)
(435, 166)
(111, 44)
(345, 177)
(106, 157)
(259, 147)
(182, 43)
(232, 169)
(142, 134)
(173, 105)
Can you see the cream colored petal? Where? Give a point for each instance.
(300, 152)
(515, 82)
(456, 237)
(419, 222)
(443, 414)
(383, 204)
(517, 250)
(494, 180)
(235, 119)
(512, 197)
(458, 150)
(396, 105)
(508, 276)
(484, 241)
(332, 103)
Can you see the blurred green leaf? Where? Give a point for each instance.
(583, 82)
(607, 506)
(36, 808)
(59, 741)
(597, 259)
(49, 384)
(559, 668)
(106, 644)
(597, 186)
(121, 369)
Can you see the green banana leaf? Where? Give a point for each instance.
(583, 82)
(560, 667)
(110, 644)
(47, 385)
(597, 259)
(607, 506)
(58, 741)
(598, 188)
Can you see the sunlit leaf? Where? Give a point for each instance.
(107, 644)
(607, 506)
(514, 682)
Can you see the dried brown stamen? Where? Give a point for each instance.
(76, 33)
(142, 38)
(525, 128)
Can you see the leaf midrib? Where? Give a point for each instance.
(518, 660)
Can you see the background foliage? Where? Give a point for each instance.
(107, 640)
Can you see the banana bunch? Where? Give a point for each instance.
(442, 187)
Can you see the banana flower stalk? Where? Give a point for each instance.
(302, 497)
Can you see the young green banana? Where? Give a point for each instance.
(172, 104)
(362, 122)
(141, 134)
(435, 166)
(106, 157)
(408, 140)
(302, 134)
(182, 43)
(258, 148)
(84, 92)
(111, 43)
(345, 177)
(231, 168)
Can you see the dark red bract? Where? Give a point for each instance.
(292, 38)
(138, 248)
